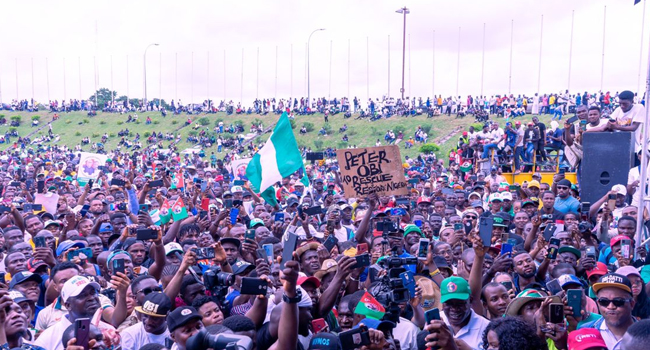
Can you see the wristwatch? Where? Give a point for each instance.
(294, 300)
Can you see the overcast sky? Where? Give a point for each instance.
(78, 32)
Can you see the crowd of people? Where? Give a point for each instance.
(161, 250)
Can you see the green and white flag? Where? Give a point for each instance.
(278, 158)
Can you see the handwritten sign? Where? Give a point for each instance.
(371, 170)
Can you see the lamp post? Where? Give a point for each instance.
(308, 81)
(144, 102)
(405, 12)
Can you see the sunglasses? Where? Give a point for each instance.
(562, 187)
(618, 302)
(471, 217)
(149, 290)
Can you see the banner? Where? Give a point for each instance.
(89, 167)
(48, 200)
(238, 168)
(371, 170)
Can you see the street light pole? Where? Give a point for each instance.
(308, 70)
(145, 74)
(404, 11)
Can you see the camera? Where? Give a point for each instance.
(390, 291)
(386, 226)
(217, 282)
(585, 226)
(205, 340)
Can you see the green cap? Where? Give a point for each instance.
(454, 288)
(570, 249)
(256, 222)
(412, 228)
(498, 221)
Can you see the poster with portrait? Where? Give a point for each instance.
(238, 168)
(89, 167)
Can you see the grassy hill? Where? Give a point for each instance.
(72, 127)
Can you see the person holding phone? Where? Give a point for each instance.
(152, 327)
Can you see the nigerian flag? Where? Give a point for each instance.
(370, 307)
(278, 158)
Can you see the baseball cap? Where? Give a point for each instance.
(155, 304)
(613, 280)
(628, 270)
(52, 222)
(76, 285)
(568, 279)
(236, 189)
(477, 204)
(329, 266)
(620, 189)
(256, 222)
(304, 279)
(412, 228)
(600, 269)
(18, 297)
(498, 221)
(24, 276)
(240, 267)
(106, 227)
(585, 338)
(570, 249)
(616, 239)
(506, 196)
(173, 247)
(423, 199)
(533, 183)
(305, 246)
(33, 264)
(563, 182)
(292, 201)
(181, 316)
(526, 296)
(495, 197)
(454, 288)
(325, 341)
(65, 245)
(231, 240)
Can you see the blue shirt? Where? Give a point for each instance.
(566, 205)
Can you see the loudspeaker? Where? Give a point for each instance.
(607, 159)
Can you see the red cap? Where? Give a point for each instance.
(424, 200)
(599, 270)
(33, 264)
(312, 279)
(617, 239)
(586, 338)
(218, 178)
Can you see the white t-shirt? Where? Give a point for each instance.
(636, 114)
(472, 333)
(633, 175)
(136, 336)
(407, 334)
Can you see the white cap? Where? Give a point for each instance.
(76, 285)
(173, 247)
(506, 196)
(236, 189)
(620, 189)
(495, 197)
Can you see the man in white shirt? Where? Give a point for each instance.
(629, 117)
(152, 327)
(458, 314)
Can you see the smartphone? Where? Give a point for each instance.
(584, 209)
(239, 183)
(583, 125)
(508, 285)
(433, 314)
(204, 186)
(121, 206)
(485, 230)
(156, 183)
(118, 182)
(574, 299)
(75, 253)
(268, 248)
(553, 248)
(355, 338)
(626, 245)
(561, 171)
(423, 249)
(27, 207)
(331, 241)
(234, 213)
(237, 203)
(205, 203)
(363, 260)
(468, 227)
(118, 266)
(458, 226)
(418, 223)
(90, 183)
(414, 181)
(289, 247)
(319, 325)
(208, 252)
(15, 184)
(506, 248)
(228, 203)
(261, 254)
(572, 119)
(553, 286)
(144, 207)
(590, 252)
(253, 286)
(611, 202)
(397, 212)
(549, 231)
(82, 332)
(146, 234)
(279, 217)
(513, 188)
(250, 235)
(556, 313)
(197, 180)
(40, 186)
(84, 210)
(199, 253)
(37, 207)
(313, 211)
(39, 242)
(409, 282)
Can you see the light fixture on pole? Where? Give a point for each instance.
(144, 102)
(308, 81)
(405, 12)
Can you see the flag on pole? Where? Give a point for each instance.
(370, 307)
(636, 1)
(178, 210)
(177, 181)
(278, 158)
(165, 212)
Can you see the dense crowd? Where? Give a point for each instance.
(160, 250)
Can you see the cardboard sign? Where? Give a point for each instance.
(371, 170)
